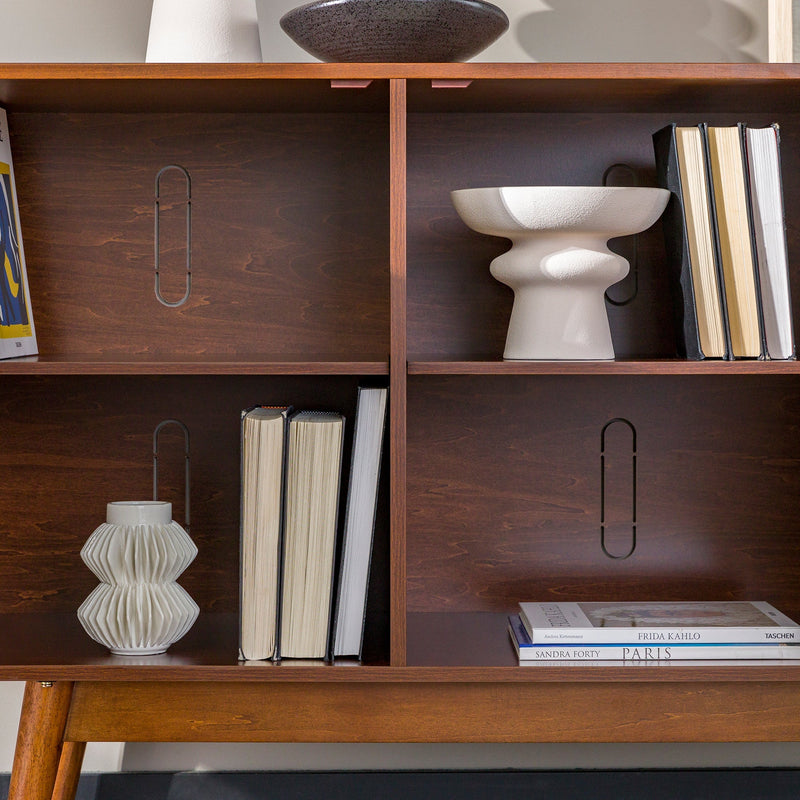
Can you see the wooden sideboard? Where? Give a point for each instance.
(326, 252)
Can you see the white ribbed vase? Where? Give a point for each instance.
(138, 554)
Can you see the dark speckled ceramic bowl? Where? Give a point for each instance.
(395, 30)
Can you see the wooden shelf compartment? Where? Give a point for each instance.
(207, 652)
(479, 641)
(504, 491)
(448, 648)
(456, 310)
(72, 443)
(290, 243)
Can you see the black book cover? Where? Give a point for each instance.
(676, 241)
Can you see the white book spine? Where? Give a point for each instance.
(753, 652)
(655, 636)
(529, 652)
(573, 627)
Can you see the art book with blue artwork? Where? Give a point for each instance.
(17, 334)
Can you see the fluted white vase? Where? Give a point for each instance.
(203, 30)
(138, 554)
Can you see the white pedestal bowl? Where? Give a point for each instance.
(559, 265)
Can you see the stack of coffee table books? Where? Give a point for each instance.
(653, 632)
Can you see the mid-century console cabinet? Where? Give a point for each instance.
(326, 253)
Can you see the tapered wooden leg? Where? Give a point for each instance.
(39, 740)
(69, 770)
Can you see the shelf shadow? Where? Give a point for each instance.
(638, 30)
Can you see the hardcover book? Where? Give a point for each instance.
(654, 623)
(729, 186)
(17, 334)
(263, 448)
(313, 474)
(765, 191)
(359, 521)
(692, 256)
(529, 652)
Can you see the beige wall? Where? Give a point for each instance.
(587, 30)
(555, 30)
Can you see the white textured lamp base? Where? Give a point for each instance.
(559, 265)
(138, 554)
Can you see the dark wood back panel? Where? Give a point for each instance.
(455, 307)
(69, 445)
(504, 490)
(290, 232)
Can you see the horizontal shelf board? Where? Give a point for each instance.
(181, 87)
(491, 366)
(36, 645)
(615, 88)
(186, 365)
(480, 639)
(261, 87)
(363, 711)
(54, 647)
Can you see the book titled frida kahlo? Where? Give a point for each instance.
(732, 622)
(17, 334)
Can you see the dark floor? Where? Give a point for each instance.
(746, 784)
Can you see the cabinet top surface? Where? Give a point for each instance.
(307, 86)
(382, 71)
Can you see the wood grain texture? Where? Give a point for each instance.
(69, 770)
(442, 712)
(398, 360)
(194, 364)
(448, 643)
(422, 365)
(612, 88)
(39, 740)
(289, 241)
(327, 249)
(222, 88)
(72, 444)
(456, 310)
(450, 647)
(504, 490)
(505, 86)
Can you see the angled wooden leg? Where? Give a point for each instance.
(39, 740)
(69, 770)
